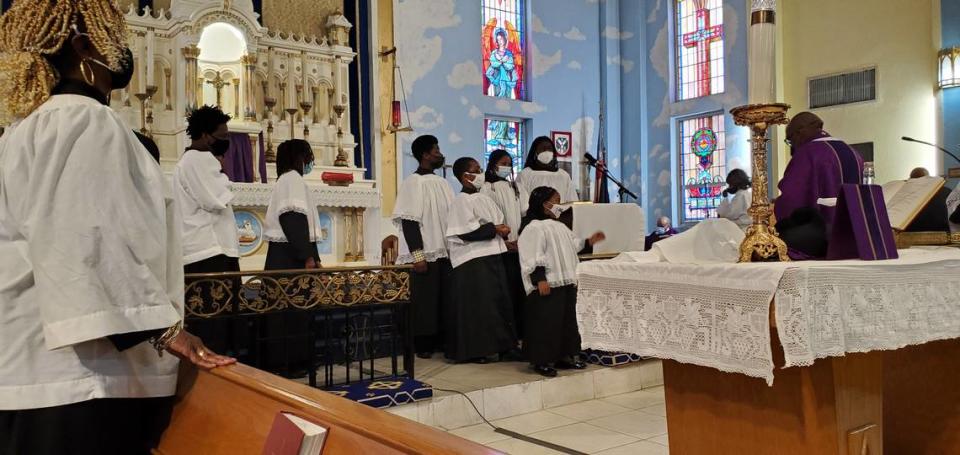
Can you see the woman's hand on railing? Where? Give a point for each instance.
(190, 348)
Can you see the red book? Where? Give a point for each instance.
(292, 435)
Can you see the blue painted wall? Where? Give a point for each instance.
(950, 36)
(438, 45)
(649, 114)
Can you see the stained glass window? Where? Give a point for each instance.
(503, 42)
(504, 134)
(699, 48)
(703, 166)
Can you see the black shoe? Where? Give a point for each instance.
(544, 370)
(425, 355)
(568, 365)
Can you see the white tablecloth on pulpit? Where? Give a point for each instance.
(623, 225)
(717, 315)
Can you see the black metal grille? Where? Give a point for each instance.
(843, 88)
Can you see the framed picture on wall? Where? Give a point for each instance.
(564, 142)
(249, 231)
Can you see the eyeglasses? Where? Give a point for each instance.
(787, 141)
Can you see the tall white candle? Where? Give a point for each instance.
(303, 74)
(270, 79)
(151, 43)
(761, 55)
(291, 102)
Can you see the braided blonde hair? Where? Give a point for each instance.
(34, 29)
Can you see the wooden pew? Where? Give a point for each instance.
(230, 410)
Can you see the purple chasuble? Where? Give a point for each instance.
(817, 171)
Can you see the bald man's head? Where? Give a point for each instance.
(919, 172)
(803, 128)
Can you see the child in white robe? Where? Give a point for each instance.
(540, 169)
(479, 319)
(548, 262)
(736, 199)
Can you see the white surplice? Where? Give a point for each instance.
(203, 194)
(735, 208)
(89, 247)
(425, 199)
(508, 200)
(549, 244)
(290, 194)
(467, 214)
(529, 180)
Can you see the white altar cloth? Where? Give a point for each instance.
(718, 315)
(621, 222)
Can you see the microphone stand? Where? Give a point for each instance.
(622, 190)
(910, 139)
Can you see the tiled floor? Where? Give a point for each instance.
(632, 423)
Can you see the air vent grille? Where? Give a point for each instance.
(843, 88)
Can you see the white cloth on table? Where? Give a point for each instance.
(203, 194)
(468, 213)
(710, 241)
(425, 199)
(717, 315)
(89, 247)
(551, 245)
(560, 180)
(290, 194)
(623, 225)
(508, 200)
(735, 208)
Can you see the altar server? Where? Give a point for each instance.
(291, 222)
(540, 169)
(548, 262)
(420, 215)
(501, 187)
(820, 164)
(203, 194)
(90, 260)
(479, 317)
(736, 199)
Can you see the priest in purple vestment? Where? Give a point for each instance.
(820, 164)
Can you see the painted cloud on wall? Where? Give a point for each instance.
(615, 60)
(426, 118)
(531, 108)
(574, 65)
(574, 34)
(454, 138)
(582, 132)
(612, 32)
(464, 74)
(414, 19)
(537, 25)
(543, 63)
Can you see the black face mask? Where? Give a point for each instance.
(121, 79)
(219, 147)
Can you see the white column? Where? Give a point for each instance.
(761, 60)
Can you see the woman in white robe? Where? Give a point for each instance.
(737, 198)
(540, 169)
(90, 260)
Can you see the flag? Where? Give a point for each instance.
(601, 195)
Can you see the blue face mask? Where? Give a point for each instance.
(308, 168)
(504, 171)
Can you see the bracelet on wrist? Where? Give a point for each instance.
(418, 256)
(162, 342)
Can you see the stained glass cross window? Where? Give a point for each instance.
(699, 44)
(703, 166)
(503, 44)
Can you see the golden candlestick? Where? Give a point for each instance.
(306, 106)
(762, 242)
(293, 119)
(341, 160)
(143, 112)
(269, 154)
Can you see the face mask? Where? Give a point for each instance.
(556, 210)
(478, 180)
(439, 163)
(661, 230)
(219, 147)
(545, 157)
(120, 79)
(504, 171)
(308, 168)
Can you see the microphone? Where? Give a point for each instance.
(910, 139)
(590, 159)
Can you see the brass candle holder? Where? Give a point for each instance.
(292, 117)
(270, 155)
(762, 242)
(341, 160)
(306, 106)
(143, 112)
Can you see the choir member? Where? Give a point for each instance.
(548, 261)
(820, 164)
(540, 169)
(91, 270)
(420, 214)
(501, 187)
(291, 223)
(479, 317)
(736, 199)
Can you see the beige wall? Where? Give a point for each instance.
(830, 36)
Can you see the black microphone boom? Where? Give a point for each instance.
(621, 188)
(910, 139)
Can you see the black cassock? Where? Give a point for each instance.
(550, 326)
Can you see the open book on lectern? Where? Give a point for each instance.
(906, 198)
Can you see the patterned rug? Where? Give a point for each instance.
(384, 393)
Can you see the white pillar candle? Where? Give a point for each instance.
(761, 55)
(303, 74)
(151, 43)
(270, 80)
(291, 102)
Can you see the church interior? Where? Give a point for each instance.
(717, 340)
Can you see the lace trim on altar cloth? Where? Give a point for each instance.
(702, 324)
(825, 312)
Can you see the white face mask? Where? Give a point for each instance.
(545, 157)
(556, 210)
(504, 171)
(478, 180)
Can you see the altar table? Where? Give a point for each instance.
(843, 357)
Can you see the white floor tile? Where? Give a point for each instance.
(567, 389)
(480, 433)
(587, 410)
(511, 400)
(518, 447)
(662, 440)
(659, 409)
(638, 448)
(637, 424)
(534, 422)
(618, 380)
(636, 400)
(584, 437)
(454, 411)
